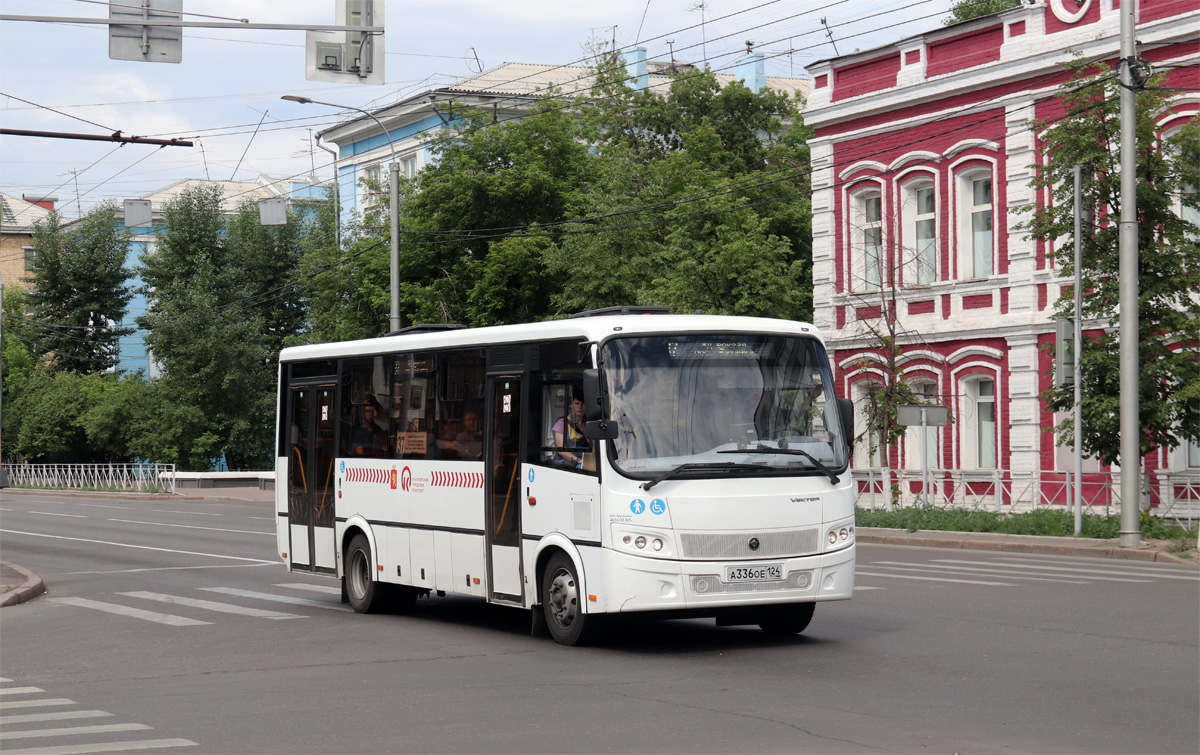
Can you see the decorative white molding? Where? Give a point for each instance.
(909, 157)
(1066, 16)
(974, 350)
(932, 356)
(966, 144)
(862, 165)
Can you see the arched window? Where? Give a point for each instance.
(866, 239)
(977, 430)
(920, 450)
(919, 214)
(976, 232)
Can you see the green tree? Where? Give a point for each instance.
(81, 290)
(969, 9)
(220, 308)
(1168, 260)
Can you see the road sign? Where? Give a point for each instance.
(348, 57)
(130, 40)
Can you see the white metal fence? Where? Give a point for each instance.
(143, 478)
(1171, 495)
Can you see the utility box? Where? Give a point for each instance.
(348, 57)
(1064, 351)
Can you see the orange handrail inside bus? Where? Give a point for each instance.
(507, 497)
(300, 460)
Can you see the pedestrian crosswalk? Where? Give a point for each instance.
(194, 611)
(1003, 570)
(56, 733)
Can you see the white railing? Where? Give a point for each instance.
(142, 478)
(1171, 495)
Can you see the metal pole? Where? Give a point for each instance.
(1077, 351)
(924, 459)
(393, 194)
(394, 279)
(1131, 533)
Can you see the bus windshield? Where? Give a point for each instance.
(743, 403)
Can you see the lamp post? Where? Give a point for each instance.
(394, 198)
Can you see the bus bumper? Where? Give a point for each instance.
(648, 584)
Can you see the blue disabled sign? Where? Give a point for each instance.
(637, 506)
(658, 506)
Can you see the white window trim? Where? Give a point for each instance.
(909, 215)
(967, 436)
(977, 166)
(855, 229)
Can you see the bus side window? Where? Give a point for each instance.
(366, 425)
(557, 432)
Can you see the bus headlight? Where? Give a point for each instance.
(656, 544)
(643, 543)
(840, 537)
(640, 542)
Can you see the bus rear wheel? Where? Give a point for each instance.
(562, 603)
(362, 592)
(786, 621)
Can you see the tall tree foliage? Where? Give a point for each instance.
(969, 9)
(80, 290)
(1168, 173)
(696, 197)
(221, 306)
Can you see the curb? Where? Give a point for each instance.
(982, 541)
(33, 587)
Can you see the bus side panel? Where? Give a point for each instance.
(423, 559)
(467, 553)
(282, 546)
(443, 560)
(326, 545)
(395, 556)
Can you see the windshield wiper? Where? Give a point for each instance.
(763, 449)
(721, 465)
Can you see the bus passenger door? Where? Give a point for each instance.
(311, 482)
(502, 468)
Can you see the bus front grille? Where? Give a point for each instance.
(771, 544)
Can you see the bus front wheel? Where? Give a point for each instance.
(786, 621)
(562, 603)
(361, 591)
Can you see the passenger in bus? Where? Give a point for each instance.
(469, 441)
(368, 438)
(568, 434)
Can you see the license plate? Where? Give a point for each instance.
(761, 573)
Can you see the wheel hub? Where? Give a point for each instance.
(564, 599)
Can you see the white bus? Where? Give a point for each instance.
(621, 461)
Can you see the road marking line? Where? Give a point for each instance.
(29, 718)
(5, 679)
(136, 613)
(69, 730)
(1091, 573)
(85, 749)
(264, 518)
(104, 506)
(20, 690)
(55, 513)
(315, 588)
(1163, 571)
(140, 547)
(934, 579)
(194, 527)
(865, 587)
(182, 568)
(968, 569)
(10, 704)
(189, 513)
(279, 598)
(212, 605)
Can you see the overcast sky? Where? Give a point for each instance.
(230, 80)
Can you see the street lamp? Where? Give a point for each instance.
(393, 195)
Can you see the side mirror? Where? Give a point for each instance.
(593, 396)
(600, 429)
(846, 417)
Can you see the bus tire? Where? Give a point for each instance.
(362, 591)
(562, 603)
(787, 621)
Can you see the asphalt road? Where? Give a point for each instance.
(170, 626)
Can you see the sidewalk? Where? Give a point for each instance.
(18, 585)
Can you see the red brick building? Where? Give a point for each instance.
(921, 164)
